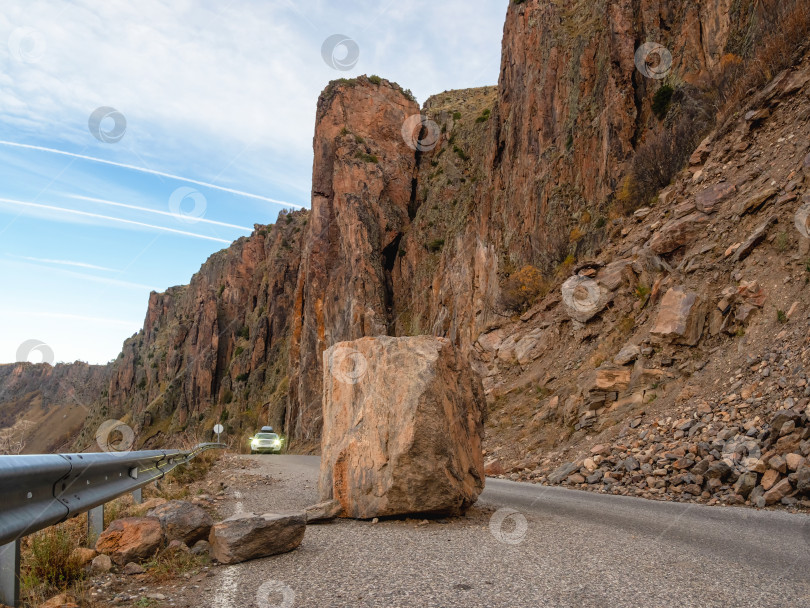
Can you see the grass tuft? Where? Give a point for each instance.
(49, 565)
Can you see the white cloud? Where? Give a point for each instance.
(148, 171)
(83, 277)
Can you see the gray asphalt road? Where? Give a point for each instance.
(523, 545)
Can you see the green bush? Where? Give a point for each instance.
(456, 115)
(662, 100)
(782, 242)
(435, 245)
(642, 292)
(369, 158)
(484, 116)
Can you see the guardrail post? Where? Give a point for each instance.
(10, 574)
(95, 524)
(137, 496)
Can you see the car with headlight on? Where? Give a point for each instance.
(266, 443)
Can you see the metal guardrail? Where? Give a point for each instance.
(38, 491)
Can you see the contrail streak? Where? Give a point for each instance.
(151, 172)
(61, 315)
(63, 263)
(112, 219)
(197, 220)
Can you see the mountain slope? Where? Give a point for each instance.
(548, 228)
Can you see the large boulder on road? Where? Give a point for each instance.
(247, 536)
(403, 425)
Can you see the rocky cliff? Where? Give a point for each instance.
(362, 184)
(572, 106)
(215, 349)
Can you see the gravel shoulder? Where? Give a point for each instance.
(522, 545)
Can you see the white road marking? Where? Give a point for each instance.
(224, 597)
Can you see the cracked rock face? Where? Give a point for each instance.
(681, 317)
(402, 242)
(361, 190)
(403, 424)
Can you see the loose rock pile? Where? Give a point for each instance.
(179, 526)
(750, 445)
(672, 365)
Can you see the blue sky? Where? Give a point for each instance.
(220, 93)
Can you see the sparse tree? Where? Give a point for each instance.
(522, 289)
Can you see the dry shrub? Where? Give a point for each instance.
(522, 289)
(730, 73)
(196, 469)
(663, 154)
(556, 243)
(658, 160)
(48, 562)
(576, 234)
(123, 506)
(777, 36)
(169, 565)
